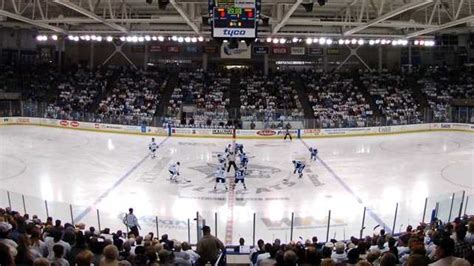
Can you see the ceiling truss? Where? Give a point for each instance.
(343, 18)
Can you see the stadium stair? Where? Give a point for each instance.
(110, 84)
(368, 97)
(417, 93)
(234, 96)
(303, 97)
(168, 91)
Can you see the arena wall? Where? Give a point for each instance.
(239, 133)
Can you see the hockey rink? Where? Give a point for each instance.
(90, 174)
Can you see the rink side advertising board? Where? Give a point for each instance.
(234, 18)
(239, 133)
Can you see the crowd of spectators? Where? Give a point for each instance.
(208, 95)
(269, 98)
(26, 240)
(441, 85)
(393, 96)
(336, 100)
(76, 91)
(134, 98)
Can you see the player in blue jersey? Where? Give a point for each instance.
(314, 153)
(240, 177)
(239, 148)
(299, 166)
(244, 160)
(153, 147)
(220, 178)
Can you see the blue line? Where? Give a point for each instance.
(115, 185)
(346, 187)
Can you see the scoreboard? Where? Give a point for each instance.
(234, 18)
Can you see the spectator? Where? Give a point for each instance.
(192, 254)
(208, 247)
(5, 229)
(84, 258)
(110, 256)
(6, 257)
(339, 256)
(444, 253)
(58, 254)
(461, 247)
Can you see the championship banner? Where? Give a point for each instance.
(241, 52)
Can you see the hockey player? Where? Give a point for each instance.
(314, 153)
(299, 166)
(228, 149)
(240, 177)
(174, 172)
(244, 160)
(222, 162)
(239, 148)
(153, 147)
(220, 178)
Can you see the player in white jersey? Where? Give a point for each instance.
(153, 147)
(240, 177)
(220, 178)
(222, 162)
(174, 171)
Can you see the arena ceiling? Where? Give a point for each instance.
(337, 18)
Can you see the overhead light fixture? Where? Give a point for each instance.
(98, 38)
(161, 38)
(187, 39)
(371, 42)
(109, 38)
(193, 39)
(200, 39)
(321, 2)
(329, 41)
(309, 41)
(54, 37)
(282, 41)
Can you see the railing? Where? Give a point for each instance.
(333, 222)
(259, 119)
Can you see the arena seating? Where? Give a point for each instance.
(25, 240)
(208, 93)
(269, 98)
(76, 91)
(394, 98)
(441, 86)
(134, 98)
(336, 100)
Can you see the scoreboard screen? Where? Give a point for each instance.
(234, 19)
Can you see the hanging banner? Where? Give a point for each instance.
(154, 49)
(298, 51)
(173, 49)
(241, 52)
(210, 49)
(316, 51)
(261, 50)
(280, 50)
